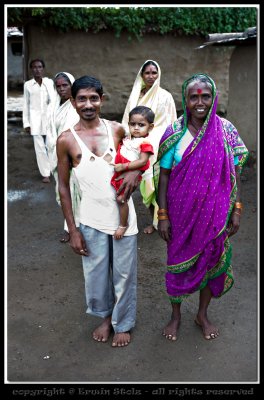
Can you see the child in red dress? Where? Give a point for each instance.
(133, 154)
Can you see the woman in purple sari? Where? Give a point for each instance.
(197, 177)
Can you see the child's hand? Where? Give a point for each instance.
(119, 167)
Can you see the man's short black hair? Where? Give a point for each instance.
(37, 59)
(86, 82)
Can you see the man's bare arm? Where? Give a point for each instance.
(64, 181)
(76, 239)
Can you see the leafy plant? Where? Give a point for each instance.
(138, 21)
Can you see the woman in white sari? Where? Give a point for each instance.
(147, 92)
(64, 116)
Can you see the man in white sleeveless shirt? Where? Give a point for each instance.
(110, 266)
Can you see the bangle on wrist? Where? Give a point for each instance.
(162, 217)
(238, 205)
(127, 166)
(162, 211)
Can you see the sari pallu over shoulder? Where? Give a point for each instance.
(200, 197)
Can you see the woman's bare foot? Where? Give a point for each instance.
(170, 330)
(209, 330)
(65, 237)
(149, 229)
(119, 233)
(102, 333)
(121, 339)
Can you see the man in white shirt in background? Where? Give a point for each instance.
(39, 97)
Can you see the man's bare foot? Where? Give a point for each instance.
(46, 179)
(102, 333)
(65, 237)
(149, 229)
(209, 331)
(121, 339)
(170, 330)
(119, 233)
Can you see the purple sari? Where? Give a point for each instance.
(201, 194)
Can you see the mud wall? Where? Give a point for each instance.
(116, 61)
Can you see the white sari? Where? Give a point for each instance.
(162, 104)
(63, 117)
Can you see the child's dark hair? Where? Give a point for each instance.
(146, 112)
(86, 82)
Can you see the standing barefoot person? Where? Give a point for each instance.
(64, 115)
(109, 266)
(39, 97)
(200, 158)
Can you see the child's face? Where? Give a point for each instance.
(139, 126)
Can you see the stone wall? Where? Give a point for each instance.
(116, 61)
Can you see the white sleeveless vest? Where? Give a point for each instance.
(98, 208)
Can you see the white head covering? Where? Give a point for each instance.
(58, 99)
(69, 76)
(162, 104)
(150, 99)
(63, 116)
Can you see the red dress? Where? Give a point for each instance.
(119, 159)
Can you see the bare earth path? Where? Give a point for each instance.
(49, 333)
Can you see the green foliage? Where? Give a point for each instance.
(138, 21)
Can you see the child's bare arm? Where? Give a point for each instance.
(133, 165)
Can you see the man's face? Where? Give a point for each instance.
(37, 69)
(87, 103)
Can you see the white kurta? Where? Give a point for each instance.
(37, 107)
(38, 104)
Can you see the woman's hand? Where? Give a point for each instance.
(233, 224)
(164, 229)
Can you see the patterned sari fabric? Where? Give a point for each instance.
(200, 198)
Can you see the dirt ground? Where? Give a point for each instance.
(49, 333)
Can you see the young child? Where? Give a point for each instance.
(134, 153)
